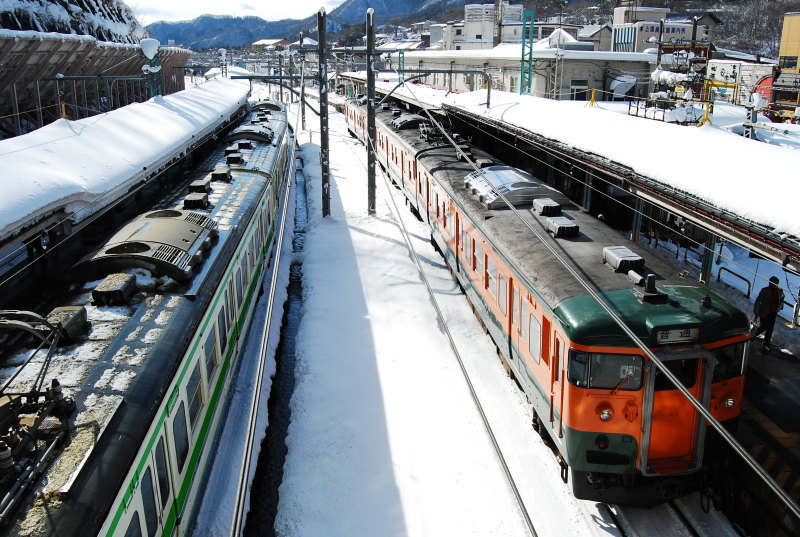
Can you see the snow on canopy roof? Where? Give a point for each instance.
(91, 161)
(746, 177)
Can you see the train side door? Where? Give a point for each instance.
(674, 434)
(557, 385)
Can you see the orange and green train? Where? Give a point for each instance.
(625, 433)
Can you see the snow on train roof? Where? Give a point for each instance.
(516, 185)
(73, 163)
(752, 179)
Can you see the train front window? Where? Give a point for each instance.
(685, 370)
(605, 371)
(730, 361)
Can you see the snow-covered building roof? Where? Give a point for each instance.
(271, 43)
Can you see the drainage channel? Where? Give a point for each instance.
(269, 471)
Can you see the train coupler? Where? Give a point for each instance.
(564, 468)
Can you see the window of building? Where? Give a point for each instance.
(579, 90)
(458, 47)
(478, 36)
(458, 31)
(788, 62)
(512, 84)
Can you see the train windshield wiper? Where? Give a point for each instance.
(622, 382)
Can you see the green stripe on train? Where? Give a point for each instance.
(213, 401)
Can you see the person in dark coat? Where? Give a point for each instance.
(766, 308)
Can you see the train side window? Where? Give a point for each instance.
(491, 277)
(502, 294)
(535, 339)
(239, 287)
(478, 260)
(515, 306)
(222, 325)
(149, 502)
(210, 353)
(161, 472)
(134, 527)
(194, 395)
(524, 325)
(181, 436)
(468, 249)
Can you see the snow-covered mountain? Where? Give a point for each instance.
(106, 20)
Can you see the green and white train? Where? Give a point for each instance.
(108, 429)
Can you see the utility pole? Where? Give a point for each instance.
(370, 112)
(280, 74)
(302, 85)
(324, 153)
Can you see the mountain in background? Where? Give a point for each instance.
(105, 20)
(751, 26)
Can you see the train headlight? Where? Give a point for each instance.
(601, 441)
(729, 402)
(606, 414)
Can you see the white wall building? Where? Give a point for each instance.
(561, 69)
(476, 32)
(638, 28)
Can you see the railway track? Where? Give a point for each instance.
(683, 517)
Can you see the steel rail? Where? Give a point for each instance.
(243, 488)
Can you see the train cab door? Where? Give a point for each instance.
(674, 431)
(556, 385)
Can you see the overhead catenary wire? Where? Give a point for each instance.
(702, 410)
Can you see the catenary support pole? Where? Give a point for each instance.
(370, 111)
(324, 156)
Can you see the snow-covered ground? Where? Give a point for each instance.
(384, 438)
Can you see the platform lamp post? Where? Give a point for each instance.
(152, 69)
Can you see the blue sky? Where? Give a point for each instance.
(150, 11)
